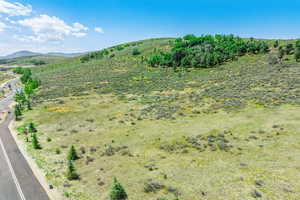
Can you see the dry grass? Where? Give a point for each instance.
(219, 133)
(95, 121)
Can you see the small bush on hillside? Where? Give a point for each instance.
(38, 62)
(35, 142)
(297, 51)
(18, 112)
(31, 128)
(289, 49)
(71, 173)
(276, 44)
(136, 52)
(273, 59)
(117, 191)
(120, 47)
(281, 53)
(72, 154)
(94, 55)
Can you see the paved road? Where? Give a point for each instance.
(17, 181)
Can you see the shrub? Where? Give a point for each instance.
(117, 191)
(72, 154)
(18, 112)
(297, 55)
(35, 142)
(18, 70)
(289, 49)
(57, 151)
(136, 52)
(297, 44)
(71, 173)
(31, 128)
(276, 44)
(273, 59)
(281, 53)
(120, 47)
(38, 62)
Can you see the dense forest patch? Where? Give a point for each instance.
(206, 51)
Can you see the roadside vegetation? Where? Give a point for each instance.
(221, 131)
(4, 77)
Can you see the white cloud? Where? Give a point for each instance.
(2, 26)
(46, 28)
(99, 30)
(14, 9)
(79, 35)
(79, 27)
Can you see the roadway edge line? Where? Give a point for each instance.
(19, 189)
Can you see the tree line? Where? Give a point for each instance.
(206, 51)
(23, 97)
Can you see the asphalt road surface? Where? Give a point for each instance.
(17, 181)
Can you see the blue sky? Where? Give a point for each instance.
(83, 25)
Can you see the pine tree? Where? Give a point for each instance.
(71, 174)
(28, 104)
(18, 112)
(117, 191)
(289, 49)
(297, 55)
(31, 128)
(276, 44)
(35, 142)
(72, 154)
(281, 53)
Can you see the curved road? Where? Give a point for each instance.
(17, 181)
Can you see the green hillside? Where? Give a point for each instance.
(31, 60)
(190, 118)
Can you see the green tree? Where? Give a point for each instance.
(136, 52)
(297, 44)
(35, 142)
(281, 53)
(117, 191)
(20, 97)
(276, 44)
(31, 128)
(71, 173)
(18, 112)
(289, 49)
(28, 88)
(28, 104)
(297, 55)
(72, 154)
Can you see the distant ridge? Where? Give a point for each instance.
(30, 53)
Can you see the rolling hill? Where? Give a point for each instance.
(30, 53)
(35, 60)
(226, 129)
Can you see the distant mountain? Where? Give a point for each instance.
(67, 55)
(30, 53)
(20, 54)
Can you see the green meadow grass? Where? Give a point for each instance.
(230, 132)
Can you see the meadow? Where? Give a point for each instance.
(228, 132)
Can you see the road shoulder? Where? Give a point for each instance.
(39, 174)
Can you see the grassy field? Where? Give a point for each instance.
(230, 132)
(3, 78)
